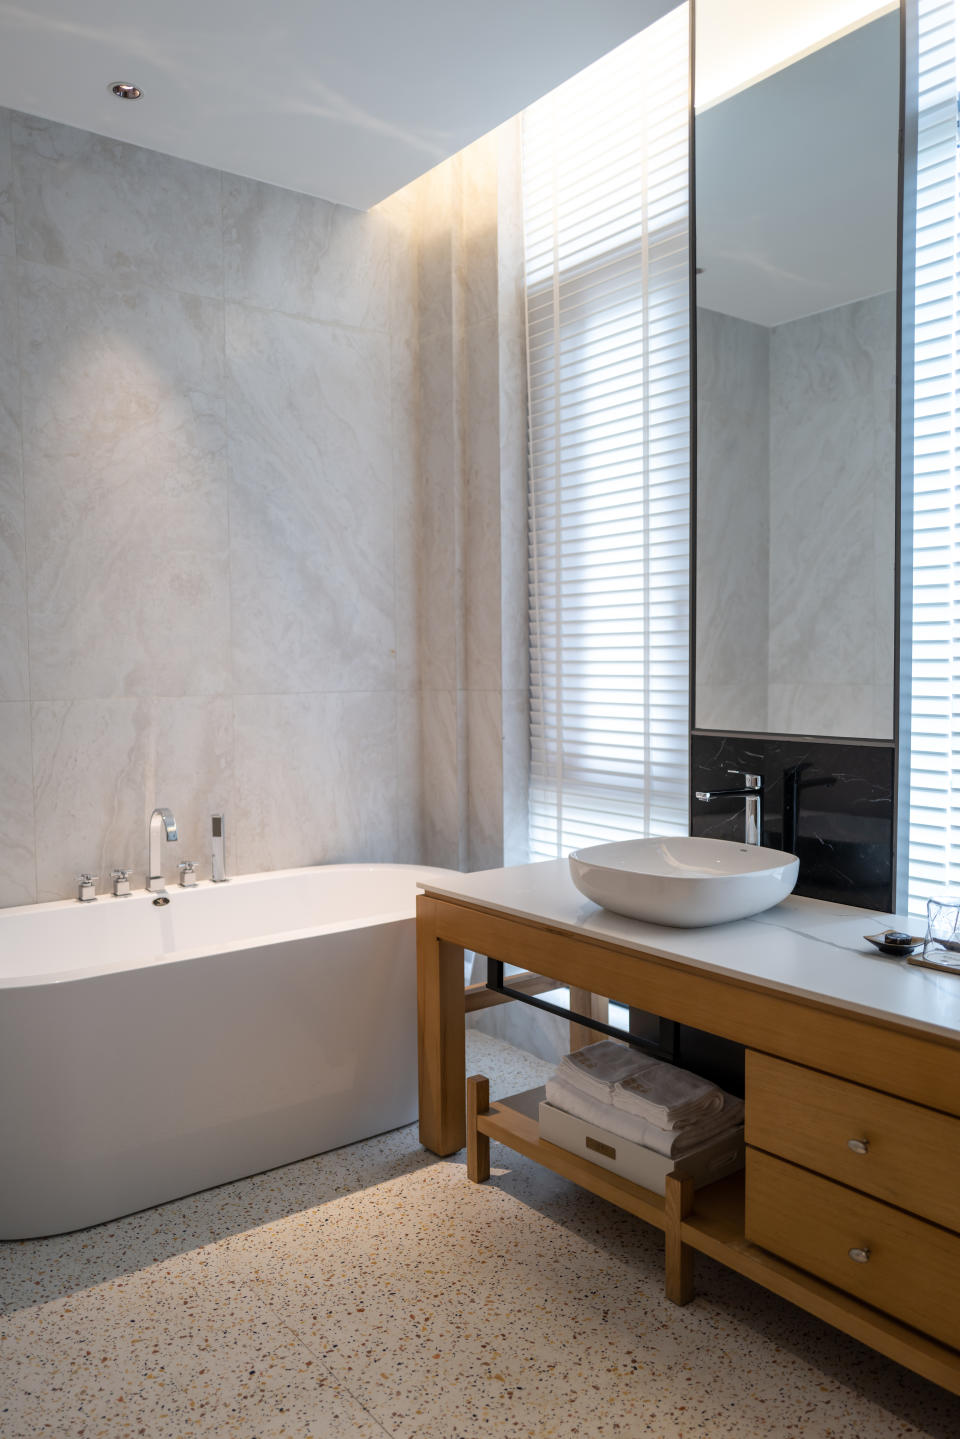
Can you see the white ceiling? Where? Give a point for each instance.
(796, 183)
(347, 100)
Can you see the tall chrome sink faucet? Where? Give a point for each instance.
(752, 792)
(162, 826)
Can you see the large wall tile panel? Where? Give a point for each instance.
(318, 781)
(14, 677)
(311, 507)
(254, 559)
(125, 473)
(101, 207)
(18, 873)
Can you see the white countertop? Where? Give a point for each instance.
(806, 947)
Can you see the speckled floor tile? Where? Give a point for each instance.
(374, 1291)
(286, 1391)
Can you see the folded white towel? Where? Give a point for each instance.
(596, 1068)
(672, 1143)
(669, 1097)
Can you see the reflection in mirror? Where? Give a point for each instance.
(796, 199)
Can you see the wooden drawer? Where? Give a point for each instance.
(912, 1156)
(913, 1268)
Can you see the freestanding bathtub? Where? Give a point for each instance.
(149, 1052)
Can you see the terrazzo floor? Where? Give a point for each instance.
(373, 1291)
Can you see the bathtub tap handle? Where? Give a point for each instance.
(188, 873)
(86, 888)
(121, 882)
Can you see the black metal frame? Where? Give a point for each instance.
(667, 1047)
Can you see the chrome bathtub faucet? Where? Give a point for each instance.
(121, 882)
(752, 792)
(86, 888)
(188, 873)
(162, 826)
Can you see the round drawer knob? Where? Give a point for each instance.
(859, 1256)
(859, 1146)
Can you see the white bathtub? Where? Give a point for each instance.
(149, 1052)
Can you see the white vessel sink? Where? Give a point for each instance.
(684, 881)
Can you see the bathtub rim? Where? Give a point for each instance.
(183, 956)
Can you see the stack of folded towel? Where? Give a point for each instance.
(645, 1100)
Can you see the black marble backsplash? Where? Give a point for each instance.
(829, 803)
(836, 800)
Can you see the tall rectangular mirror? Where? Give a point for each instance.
(797, 241)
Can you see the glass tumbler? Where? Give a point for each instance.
(941, 943)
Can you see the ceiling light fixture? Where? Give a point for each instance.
(123, 91)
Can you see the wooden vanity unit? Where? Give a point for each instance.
(849, 1205)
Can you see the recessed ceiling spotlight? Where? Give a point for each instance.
(123, 91)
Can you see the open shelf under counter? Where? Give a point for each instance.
(514, 1122)
(710, 1221)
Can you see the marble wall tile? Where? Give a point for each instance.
(265, 451)
(480, 417)
(190, 768)
(18, 872)
(400, 213)
(14, 678)
(484, 721)
(534, 1030)
(734, 706)
(410, 788)
(838, 367)
(516, 775)
(829, 398)
(439, 240)
(732, 514)
(317, 779)
(514, 536)
(846, 710)
(117, 210)
(126, 496)
(100, 768)
(311, 505)
(444, 772)
(511, 289)
(408, 551)
(439, 517)
(7, 240)
(479, 265)
(304, 256)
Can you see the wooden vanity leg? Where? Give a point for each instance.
(678, 1257)
(440, 1037)
(478, 1145)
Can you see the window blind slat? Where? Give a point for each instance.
(605, 187)
(933, 405)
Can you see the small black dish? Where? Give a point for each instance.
(895, 942)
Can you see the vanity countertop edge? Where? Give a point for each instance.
(811, 949)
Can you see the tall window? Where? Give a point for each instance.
(930, 672)
(606, 229)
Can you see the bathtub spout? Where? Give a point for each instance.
(162, 826)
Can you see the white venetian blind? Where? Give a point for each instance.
(606, 230)
(931, 609)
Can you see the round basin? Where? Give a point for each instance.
(684, 881)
